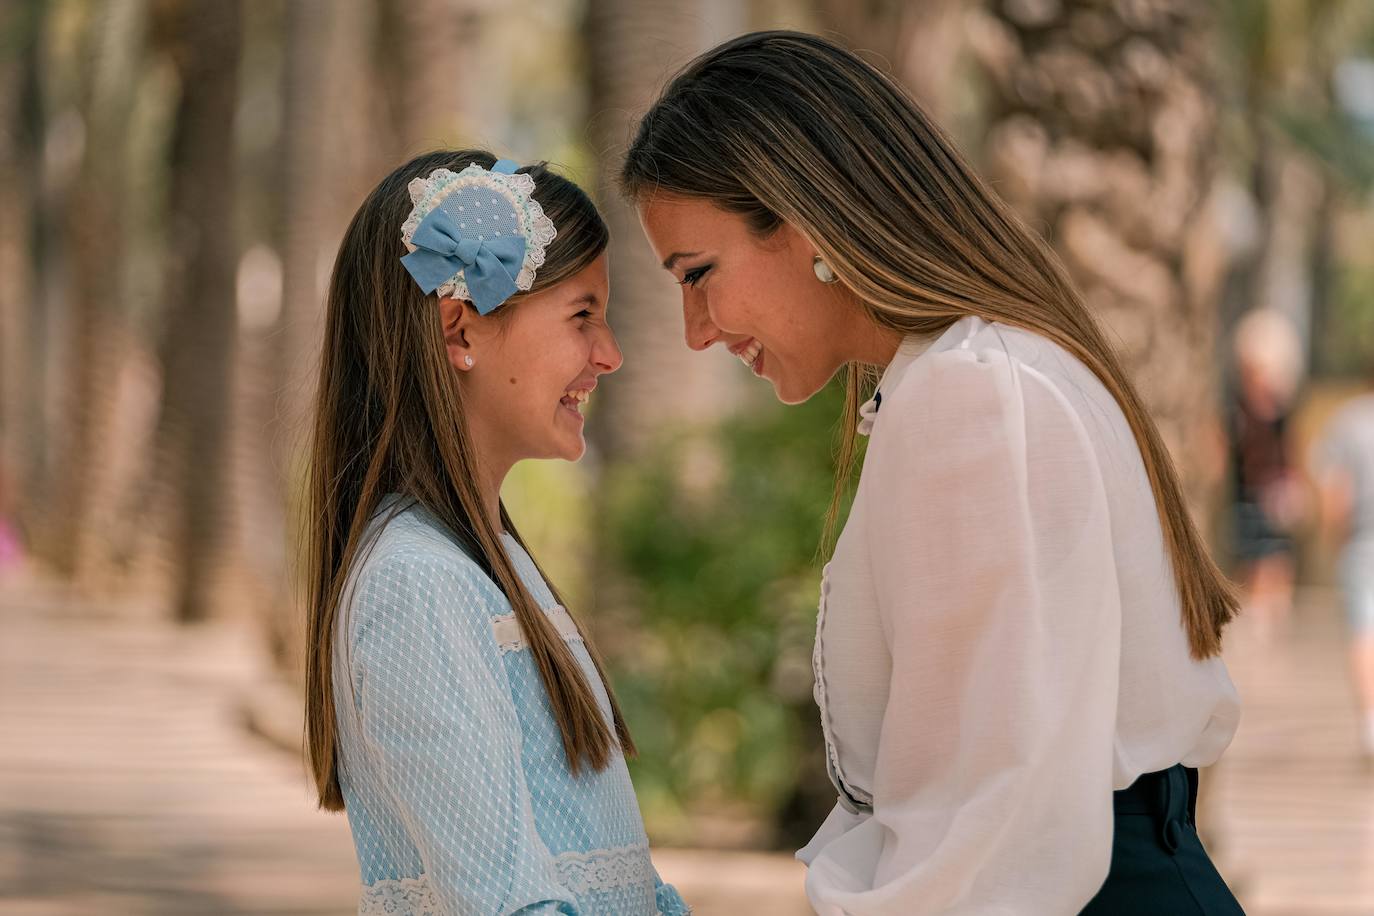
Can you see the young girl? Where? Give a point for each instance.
(1019, 617)
(454, 708)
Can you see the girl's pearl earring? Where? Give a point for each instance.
(823, 271)
(467, 361)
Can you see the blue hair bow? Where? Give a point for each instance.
(489, 266)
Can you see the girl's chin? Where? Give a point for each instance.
(568, 440)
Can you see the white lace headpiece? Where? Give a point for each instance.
(477, 234)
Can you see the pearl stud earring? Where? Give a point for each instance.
(467, 361)
(824, 273)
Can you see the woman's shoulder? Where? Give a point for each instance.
(974, 354)
(980, 376)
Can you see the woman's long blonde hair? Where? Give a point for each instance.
(389, 418)
(788, 127)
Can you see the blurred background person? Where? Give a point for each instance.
(1267, 499)
(1343, 465)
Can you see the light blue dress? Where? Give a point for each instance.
(453, 774)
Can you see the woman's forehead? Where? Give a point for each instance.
(672, 221)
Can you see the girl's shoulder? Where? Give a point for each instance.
(410, 537)
(409, 563)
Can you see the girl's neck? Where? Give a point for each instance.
(489, 485)
(492, 465)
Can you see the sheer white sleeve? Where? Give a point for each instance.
(996, 586)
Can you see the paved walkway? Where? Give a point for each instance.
(129, 785)
(1293, 802)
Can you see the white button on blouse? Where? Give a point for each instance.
(999, 643)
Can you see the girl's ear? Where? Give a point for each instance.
(458, 318)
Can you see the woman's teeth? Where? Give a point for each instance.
(751, 353)
(577, 399)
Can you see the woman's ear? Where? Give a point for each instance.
(458, 318)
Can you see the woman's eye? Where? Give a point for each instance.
(691, 277)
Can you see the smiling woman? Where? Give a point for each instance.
(1018, 631)
(745, 291)
(455, 708)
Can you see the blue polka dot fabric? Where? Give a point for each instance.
(481, 213)
(454, 779)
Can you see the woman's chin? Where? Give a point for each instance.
(569, 447)
(790, 392)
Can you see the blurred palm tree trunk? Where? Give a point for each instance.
(94, 322)
(1291, 188)
(21, 364)
(280, 359)
(1103, 134)
(918, 43)
(50, 139)
(1322, 267)
(1284, 58)
(201, 330)
(633, 48)
(417, 44)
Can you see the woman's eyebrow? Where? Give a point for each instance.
(678, 256)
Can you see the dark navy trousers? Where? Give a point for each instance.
(1159, 867)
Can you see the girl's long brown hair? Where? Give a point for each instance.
(389, 419)
(788, 127)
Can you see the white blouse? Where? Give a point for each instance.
(999, 644)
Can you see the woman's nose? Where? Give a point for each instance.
(701, 332)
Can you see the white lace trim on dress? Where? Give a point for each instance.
(581, 873)
(510, 637)
(399, 897)
(605, 869)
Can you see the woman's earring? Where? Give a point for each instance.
(467, 361)
(823, 271)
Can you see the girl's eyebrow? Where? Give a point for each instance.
(678, 256)
(586, 299)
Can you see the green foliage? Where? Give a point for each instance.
(550, 503)
(1334, 140)
(1348, 345)
(718, 536)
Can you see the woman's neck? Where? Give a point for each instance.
(874, 345)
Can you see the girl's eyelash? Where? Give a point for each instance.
(585, 313)
(691, 277)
